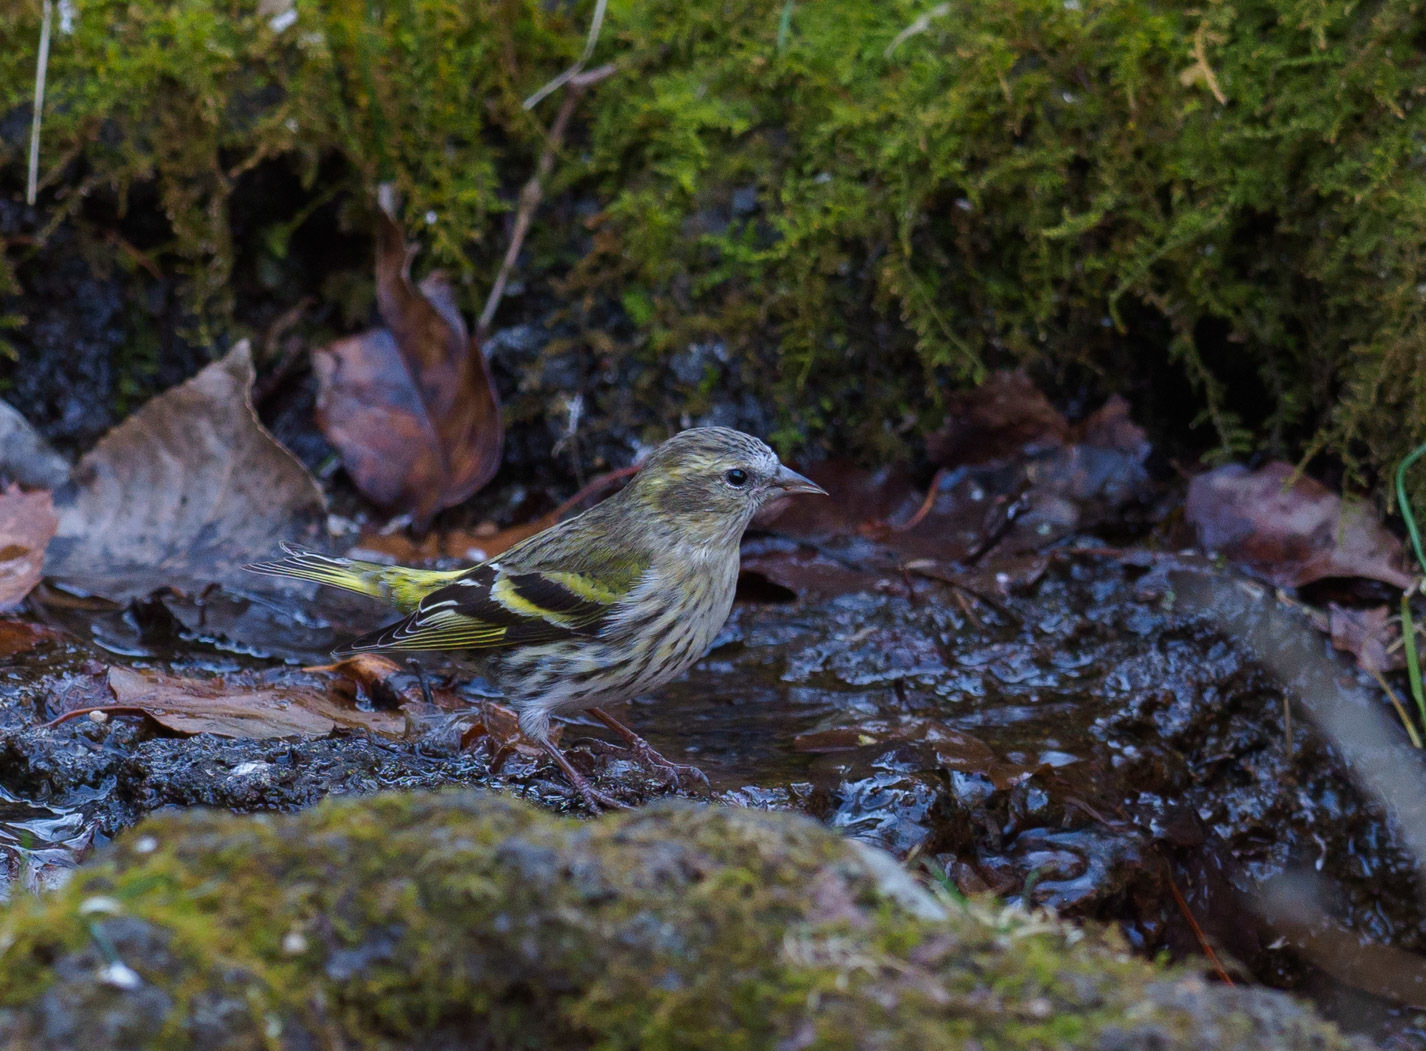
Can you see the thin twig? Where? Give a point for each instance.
(932, 491)
(595, 25)
(76, 713)
(596, 485)
(140, 259)
(921, 25)
(1197, 930)
(534, 191)
(41, 67)
(1200, 54)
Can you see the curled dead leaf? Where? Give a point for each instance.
(999, 418)
(183, 493)
(1291, 534)
(237, 709)
(20, 636)
(410, 407)
(1368, 635)
(27, 522)
(497, 728)
(367, 675)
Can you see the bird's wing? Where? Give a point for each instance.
(494, 606)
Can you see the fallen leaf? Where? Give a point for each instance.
(855, 498)
(801, 571)
(364, 669)
(411, 406)
(461, 545)
(27, 522)
(20, 636)
(498, 727)
(1110, 427)
(999, 418)
(1366, 634)
(370, 676)
(1291, 535)
(236, 709)
(25, 457)
(183, 493)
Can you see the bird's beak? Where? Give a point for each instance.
(789, 481)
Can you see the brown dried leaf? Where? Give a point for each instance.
(366, 675)
(465, 545)
(856, 498)
(364, 669)
(1110, 427)
(20, 636)
(370, 676)
(999, 418)
(183, 493)
(216, 706)
(499, 728)
(1291, 536)
(410, 406)
(1366, 634)
(803, 570)
(27, 522)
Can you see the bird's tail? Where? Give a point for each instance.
(400, 586)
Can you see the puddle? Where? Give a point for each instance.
(40, 843)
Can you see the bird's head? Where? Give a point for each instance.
(708, 482)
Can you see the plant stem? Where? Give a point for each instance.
(1413, 665)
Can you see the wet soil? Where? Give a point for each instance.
(1091, 729)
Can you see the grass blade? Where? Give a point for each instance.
(1413, 665)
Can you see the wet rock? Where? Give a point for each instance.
(25, 457)
(466, 919)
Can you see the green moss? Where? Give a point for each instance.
(868, 204)
(401, 919)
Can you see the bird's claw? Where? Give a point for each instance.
(644, 753)
(596, 801)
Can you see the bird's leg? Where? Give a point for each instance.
(415, 666)
(594, 799)
(645, 753)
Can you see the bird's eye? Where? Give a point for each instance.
(737, 477)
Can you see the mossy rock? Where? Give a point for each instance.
(469, 920)
(838, 211)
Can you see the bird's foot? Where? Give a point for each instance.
(673, 772)
(594, 800)
(644, 753)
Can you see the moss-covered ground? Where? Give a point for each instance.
(475, 921)
(842, 209)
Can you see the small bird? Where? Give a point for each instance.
(598, 608)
